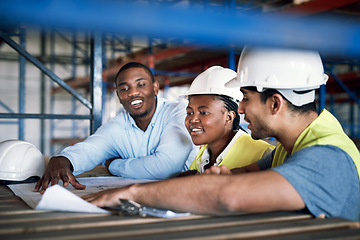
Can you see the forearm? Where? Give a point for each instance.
(148, 167)
(181, 194)
(210, 194)
(217, 195)
(86, 155)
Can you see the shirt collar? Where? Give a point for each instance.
(205, 156)
(228, 147)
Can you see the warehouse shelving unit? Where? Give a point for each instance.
(94, 105)
(177, 60)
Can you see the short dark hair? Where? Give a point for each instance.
(135, 65)
(309, 107)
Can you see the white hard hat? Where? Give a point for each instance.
(212, 81)
(20, 160)
(285, 70)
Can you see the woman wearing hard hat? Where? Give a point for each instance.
(213, 122)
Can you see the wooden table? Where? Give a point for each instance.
(17, 221)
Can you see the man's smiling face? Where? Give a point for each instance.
(137, 92)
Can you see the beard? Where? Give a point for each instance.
(140, 114)
(257, 135)
(261, 132)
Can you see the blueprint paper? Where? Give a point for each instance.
(68, 199)
(93, 185)
(57, 198)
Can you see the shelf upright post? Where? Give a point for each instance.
(96, 82)
(322, 98)
(42, 91)
(73, 74)
(52, 96)
(151, 62)
(22, 87)
(105, 81)
(231, 58)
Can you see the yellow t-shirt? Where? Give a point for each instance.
(324, 130)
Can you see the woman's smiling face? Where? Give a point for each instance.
(206, 119)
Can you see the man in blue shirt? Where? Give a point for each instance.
(148, 140)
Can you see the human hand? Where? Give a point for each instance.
(59, 168)
(218, 170)
(107, 198)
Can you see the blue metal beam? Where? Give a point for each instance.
(9, 122)
(327, 35)
(351, 94)
(43, 116)
(22, 85)
(73, 76)
(44, 69)
(6, 107)
(322, 98)
(231, 58)
(76, 46)
(42, 92)
(52, 96)
(96, 82)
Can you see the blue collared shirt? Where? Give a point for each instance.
(158, 153)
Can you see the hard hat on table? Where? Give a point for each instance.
(20, 160)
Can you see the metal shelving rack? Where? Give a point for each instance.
(99, 43)
(94, 104)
